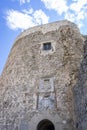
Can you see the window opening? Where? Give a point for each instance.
(47, 46)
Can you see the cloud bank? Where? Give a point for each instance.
(74, 11)
(25, 19)
(59, 6)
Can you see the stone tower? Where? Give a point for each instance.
(41, 87)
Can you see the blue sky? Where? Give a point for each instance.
(19, 15)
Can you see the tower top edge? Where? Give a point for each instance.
(46, 28)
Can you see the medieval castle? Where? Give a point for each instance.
(44, 83)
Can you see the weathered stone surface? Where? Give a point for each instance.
(39, 84)
(80, 92)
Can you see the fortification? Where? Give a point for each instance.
(43, 84)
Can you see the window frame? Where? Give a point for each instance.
(47, 46)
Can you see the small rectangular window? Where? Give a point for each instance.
(47, 46)
(46, 80)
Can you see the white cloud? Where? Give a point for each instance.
(75, 18)
(59, 6)
(74, 11)
(29, 11)
(81, 15)
(70, 16)
(74, 0)
(22, 20)
(77, 12)
(24, 1)
(78, 5)
(16, 19)
(40, 17)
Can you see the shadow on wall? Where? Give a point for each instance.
(80, 93)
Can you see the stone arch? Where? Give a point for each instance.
(45, 125)
(38, 120)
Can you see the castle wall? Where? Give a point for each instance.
(38, 82)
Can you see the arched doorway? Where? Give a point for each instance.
(45, 125)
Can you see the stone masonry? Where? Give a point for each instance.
(44, 83)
